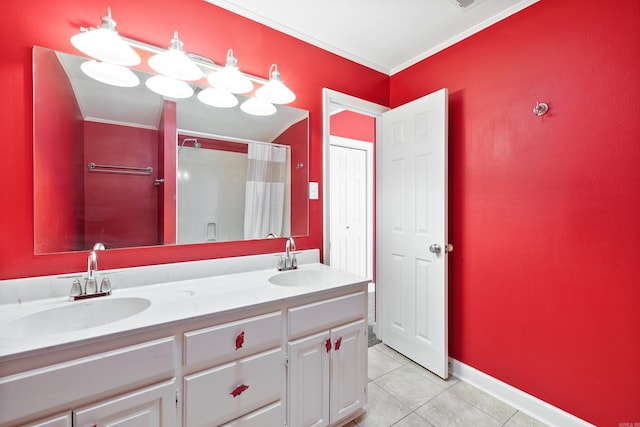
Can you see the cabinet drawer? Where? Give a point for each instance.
(234, 340)
(271, 415)
(310, 318)
(208, 395)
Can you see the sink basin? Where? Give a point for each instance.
(300, 277)
(75, 316)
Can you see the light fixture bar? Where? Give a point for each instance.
(201, 61)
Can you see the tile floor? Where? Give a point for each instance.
(403, 394)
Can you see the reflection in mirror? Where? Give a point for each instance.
(128, 168)
(250, 178)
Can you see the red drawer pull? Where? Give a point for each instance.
(239, 340)
(239, 390)
(338, 343)
(328, 345)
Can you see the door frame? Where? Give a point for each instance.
(332, 98)
(367, 147)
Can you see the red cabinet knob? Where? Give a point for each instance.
(239, 340)
(328, 345)
(338, 343)
(239, 390)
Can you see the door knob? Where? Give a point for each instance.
(435, 249)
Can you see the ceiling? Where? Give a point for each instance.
(385, 35)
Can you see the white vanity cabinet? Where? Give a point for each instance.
(242, 382)
(327, 380)
(267, 355)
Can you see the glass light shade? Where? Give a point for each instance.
(275, 91)
(258, 107)
(104, 44)
(217, 98)
(111, 74)
(168, 87)
(175, 63)
(230, 78)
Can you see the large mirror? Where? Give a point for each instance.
(128, 168)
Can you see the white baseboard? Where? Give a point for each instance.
(524, 402)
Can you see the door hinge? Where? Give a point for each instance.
(286, 362)
(177, 397)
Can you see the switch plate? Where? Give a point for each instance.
(313, 191)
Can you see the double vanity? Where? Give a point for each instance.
(230, 342)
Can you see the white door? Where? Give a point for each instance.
(412, 230)
(349, 210)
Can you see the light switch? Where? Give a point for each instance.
(313, 191)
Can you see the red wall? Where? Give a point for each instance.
(205, 30)
(121, 210)
(545, 211)
(352, 125)
(167, 161)
(296, 136)
(59, 199)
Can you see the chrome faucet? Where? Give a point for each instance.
(91, 288)
(289, 262)
(91, 283)
(289, 245)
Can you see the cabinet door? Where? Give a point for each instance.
(150, 407)
(348, 369)
(309, 380)
(63, 420)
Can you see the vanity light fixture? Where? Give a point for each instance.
(230, 78)
(275, 91)
(175, 63)
(168, 87)
(258, 107)
(111, 74)
(217, 98)
(104, 44)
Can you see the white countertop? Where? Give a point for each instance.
(170, 302)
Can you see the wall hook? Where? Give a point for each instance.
(540, 109)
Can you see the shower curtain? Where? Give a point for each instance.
(265, 191)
